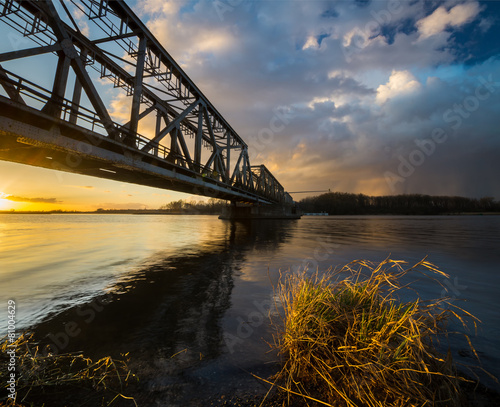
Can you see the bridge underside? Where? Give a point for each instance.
(28, 136)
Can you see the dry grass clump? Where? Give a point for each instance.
(41, 375)
(348, 341)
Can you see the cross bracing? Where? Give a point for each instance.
(163, 122)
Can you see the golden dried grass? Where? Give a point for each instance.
(37, 372)
(347, 340)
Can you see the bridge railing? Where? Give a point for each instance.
(37, 97)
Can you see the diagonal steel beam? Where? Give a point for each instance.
(115, 37)
(11, 90)
(209, 127)
(237, 168)
(211, 159)
(174, 123)
(142, 115)
(101, 58)
(215, 157)
(174, 146)
(185, 150)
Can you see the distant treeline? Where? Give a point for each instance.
(340, 203)
(212, 207)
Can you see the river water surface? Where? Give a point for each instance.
(189, 296)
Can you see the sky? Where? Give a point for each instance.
(373, 97)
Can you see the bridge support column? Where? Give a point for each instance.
(242, 211)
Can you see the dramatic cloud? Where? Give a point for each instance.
(441, 19)
(400, 83)
(349, 96)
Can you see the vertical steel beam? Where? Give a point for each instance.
(77, 94)
(54, 105)
(159, 117)
(245, 168)
(198, 139)
(228, 156)
(131, 138)
(174, 147)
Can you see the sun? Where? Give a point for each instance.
(5, 204)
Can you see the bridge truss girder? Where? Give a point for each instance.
(188, 132)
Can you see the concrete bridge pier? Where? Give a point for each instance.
(246, 211)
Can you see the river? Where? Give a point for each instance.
(200, 288)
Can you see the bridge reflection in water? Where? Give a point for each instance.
(184, 305)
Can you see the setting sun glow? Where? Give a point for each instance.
(5, 204)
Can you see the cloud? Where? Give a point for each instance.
(312, 42)
(176, 27)
(82, 21)
(120, 108)
(121, 205)
(14, 198)
(163, 7)
(400, 83)
(82, 186)
(441, 19)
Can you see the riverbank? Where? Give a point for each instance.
(110, 382)
(343, 340)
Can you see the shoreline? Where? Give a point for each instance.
(185, 376)
(166, 212)
(251, 392)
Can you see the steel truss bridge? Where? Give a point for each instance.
(170, 135)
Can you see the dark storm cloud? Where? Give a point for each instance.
(358, 84)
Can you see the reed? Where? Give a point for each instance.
(347, 340)
(39, 375)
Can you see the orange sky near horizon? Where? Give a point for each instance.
(28, 188)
